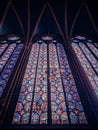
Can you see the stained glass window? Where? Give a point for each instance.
(2, 48)
(9, 56)
(87, 54)
(93, 48)
(48, 93)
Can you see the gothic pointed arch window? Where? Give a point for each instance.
(48, 92)
(87, 53)
(10, 49)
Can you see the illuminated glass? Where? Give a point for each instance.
(93, 61)
(2, 48)
(6, 55)
(75, 108)
(40, 110)
(96, 44)
(13, 38)
(88, 62)
(58, 106)
(24, 104)
(48, 92)
(7, 64)
(93, 48)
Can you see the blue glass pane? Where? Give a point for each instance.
(7, 71)
(87, 60)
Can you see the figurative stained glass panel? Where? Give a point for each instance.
(75, 108)
(9, 56)
(24, 104)
(39, 110)
(6, 55)
(92, 60)
(48, 93)
(59, 112)
(93, 48)
(88, 60)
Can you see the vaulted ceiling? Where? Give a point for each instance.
(61, 17)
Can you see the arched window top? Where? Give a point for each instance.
(83, 39)
(11, 38)
(47, 38)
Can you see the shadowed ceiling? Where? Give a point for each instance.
(60, 17)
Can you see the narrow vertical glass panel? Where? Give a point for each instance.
(2, 48)
(23, 107)
(87, 68)
(6, 55)
(75, 108)
(89, 56)
(93, 48)
(58, 106)
(6, 73)
(39, 110)
(42, 62)
(96, 44)
(53, 60)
